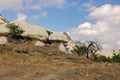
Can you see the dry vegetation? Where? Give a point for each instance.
(23, 61)
(44, 67)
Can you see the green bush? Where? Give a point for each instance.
(102, 59)
(79, 49)
(15, 30)
(116, 57)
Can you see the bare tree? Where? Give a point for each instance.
(90, 47)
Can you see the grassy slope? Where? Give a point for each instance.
(50, 65)
(43, 67)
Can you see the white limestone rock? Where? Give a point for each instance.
(4, 29)
(39, 43)
(3, 40)
(70, 46)
(56, 36)
(62, 48)
(32, 31)
(3, 20)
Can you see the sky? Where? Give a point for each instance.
(84, 20)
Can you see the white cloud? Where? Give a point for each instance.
(21, 17)
(87, 6)
(106, 29)
(11, 4)
(32, 4)
(35, 17)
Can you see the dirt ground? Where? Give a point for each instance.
(36, 66)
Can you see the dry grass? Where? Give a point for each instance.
(43, 67)
(47, 63)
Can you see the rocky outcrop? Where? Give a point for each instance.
(39, 43)
(43, 36)
(56, 36)
(4, 29)
(68, 37)
(70, 46)
(3, 40)
(32, 31)
(3, 20)
(62, 48)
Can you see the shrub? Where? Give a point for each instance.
(102, 59)
(116, 57)
(15, 30)
(79, 49)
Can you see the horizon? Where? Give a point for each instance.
(82, 19)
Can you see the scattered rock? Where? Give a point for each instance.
(62, 48)
(56, 36)
(39, 43)
(3, 40)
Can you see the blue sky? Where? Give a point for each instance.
(82, 19)
(70, 14)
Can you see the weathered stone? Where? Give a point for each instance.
(70, 46)
(4, 29)
(62, 48)
(3, 40)
(3, 20)
(33, 31)
(56, 36)
(68, 37)
(39, 43)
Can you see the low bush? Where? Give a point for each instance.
(15, 30)
(102, 59)
(116, 57)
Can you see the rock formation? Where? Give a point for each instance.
(41, 35)
(56, 36)
(3, 40)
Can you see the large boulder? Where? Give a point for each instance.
(4, 29)
(32, 31)
(56, 36)
(62, 48)
(3, 40)
(3, 20)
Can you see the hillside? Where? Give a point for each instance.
(44, 67)
(40, 54)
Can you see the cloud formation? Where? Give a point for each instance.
(106, 28)
(21, 17)
(11, 4)
(31, 4)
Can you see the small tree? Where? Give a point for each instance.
(15, 30)
(91, 47)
